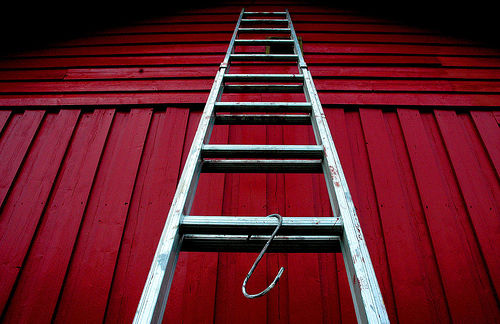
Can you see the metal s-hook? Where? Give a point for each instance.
(278, 276)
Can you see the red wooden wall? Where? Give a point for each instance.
(94, 133)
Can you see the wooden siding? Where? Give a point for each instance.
(90, 158)
(85, 204)
(356, 60)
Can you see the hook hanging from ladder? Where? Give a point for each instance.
(278, 276)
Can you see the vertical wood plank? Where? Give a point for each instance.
(484, 216)
(151, 199)
(15, 142)
(4, 117)
(42, 275)
(85, 292)
(488, 129)
(418, 294)
(24, 207)
(474, 140)
(496, 114)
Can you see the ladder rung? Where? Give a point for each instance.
(250, 225)
(262, 151)
(303, 107)
(260, 88)
(264, 30)
(264, 57)
(265, 21)
(264, 13)
(241, 243)
(261, 166)
(263, 42)
(264, 77)
(247, 119)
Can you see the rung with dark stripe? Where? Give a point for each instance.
(258, 42)
(231, 151)
(241, 243)
(261, 88)
(254, 119)
(264, 30)
(265, 13)
(302, 107)
(264, 57)
(264, 21)
(264, 77)
(261, 166)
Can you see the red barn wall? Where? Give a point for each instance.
(94, 133)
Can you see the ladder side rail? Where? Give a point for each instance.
(156, 289)
(230, 48)
(368, 301)
(296, 46)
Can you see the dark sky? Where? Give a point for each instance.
(25, 25)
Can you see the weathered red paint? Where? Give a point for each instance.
(84, 193)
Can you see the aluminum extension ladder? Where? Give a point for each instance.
(341, 233)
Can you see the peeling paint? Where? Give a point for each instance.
(162, 261)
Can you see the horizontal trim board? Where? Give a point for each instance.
(182, 36)
(327, 27)
(204, 84)
(199, 98)
(318, 71)
(296, 17)
(189, 61)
